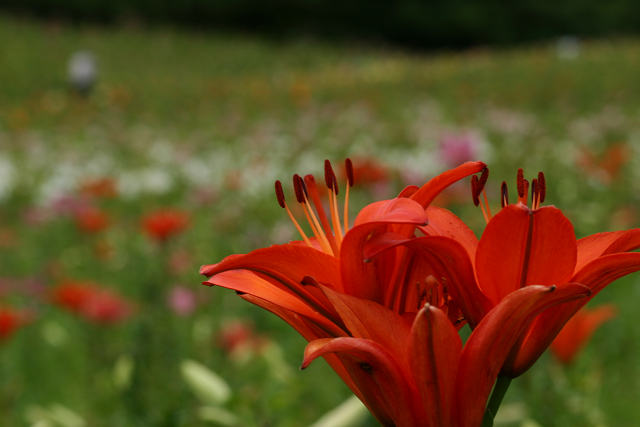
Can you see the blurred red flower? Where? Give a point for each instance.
(608, 165)
(92, 302)
(577, 331)
(10, 320)
(237, 338)
(162, 224)
(91, 219)
(101, 187)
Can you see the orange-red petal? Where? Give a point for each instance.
(310, 331)
(443, 222)
(520, 246)
(493, 339)
(386, 387)
(248, 282)
(358, 277)
(591, 247)
(434, 186)
(291, 262)
(368, 319)
(451, 263)
(596, 275)
(434, 352)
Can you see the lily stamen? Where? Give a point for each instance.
(484, 176)
(523, 188)
(477, 187)
(328, 236)
(310, 183)
(302, 195)
(504, 200)
(534, 194)
(332, 187)
(542, 187)
(283, 204)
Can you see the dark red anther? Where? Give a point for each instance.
(483, 179)
(542, 187)
(520, 184)
(474, 190)
(299, 188)
(504, 200)
(280, 194)
(348, 167)
(309, 281)
(330, 177)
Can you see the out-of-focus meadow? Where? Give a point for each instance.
(110, 203)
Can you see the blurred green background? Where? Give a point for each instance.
(203, 123)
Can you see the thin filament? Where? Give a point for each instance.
(315, 226)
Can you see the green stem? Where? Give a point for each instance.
(499, 390)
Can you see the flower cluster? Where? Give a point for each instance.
(383, 299)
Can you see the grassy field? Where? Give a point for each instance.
(203, 124)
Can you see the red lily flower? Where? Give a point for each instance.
(358, 298)
(522, 246)
(160, 225)
(575, 334)
(91, 219)
(92, 302)
(10, 321)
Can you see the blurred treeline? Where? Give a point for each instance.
(415, 23)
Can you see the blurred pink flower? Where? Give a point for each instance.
(181, 300)
(456, 149)
(28, 286)
(180, 261)
(36, 215)
(68, 205)
(204, 196)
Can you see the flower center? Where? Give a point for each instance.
(328, 235)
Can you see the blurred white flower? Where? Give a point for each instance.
(144, 181)
(350, 413)
(82, 71)
(54, 415)
(206, 384)
(568, 47)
